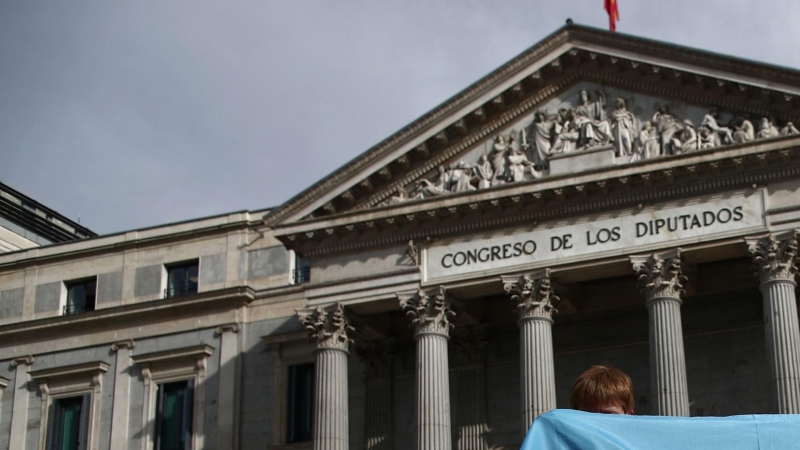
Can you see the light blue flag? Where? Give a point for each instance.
(565, 429)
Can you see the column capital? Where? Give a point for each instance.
(660, 274)
(27, 360)
(327, 327)
(228, 328)
(532, 295)
(128, 343)
(429, 310)
(377, 357)
(774, 255)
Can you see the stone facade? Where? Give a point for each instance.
(446, 307)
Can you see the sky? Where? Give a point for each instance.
(140, 113)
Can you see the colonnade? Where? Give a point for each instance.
(533, 297)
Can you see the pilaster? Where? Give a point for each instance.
(775, 257)
(226, 405)
(19, 410)
(534, 301)
(661, 278)
(430, 315)
(122, 392)
(328, 328)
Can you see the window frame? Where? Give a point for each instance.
(187, 363)
(68, 286)
(168, 268)
(71, 381)
(287, 350)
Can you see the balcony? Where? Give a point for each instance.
(180, 291)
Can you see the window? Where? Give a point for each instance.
(174, 398)
(301, 402)
(69, 423)
(174, 403)
(181, 279)
(81, 296)
(70, 406)
(302, 271)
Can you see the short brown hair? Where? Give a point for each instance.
(602, 385)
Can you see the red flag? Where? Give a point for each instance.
(613, 14)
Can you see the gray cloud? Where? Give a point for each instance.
(140, 113)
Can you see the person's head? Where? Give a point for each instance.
(602, 389)
(584, 96)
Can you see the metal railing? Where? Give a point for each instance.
(77, 308)
(180, 291)
(302, 275)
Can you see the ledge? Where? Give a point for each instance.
(90, 368)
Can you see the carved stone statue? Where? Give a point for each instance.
(518, 165)
(789, 129)
(745, 132)
(567, 132)
(441, 186)
(499, 154)
(400, 197)
(461, 178)
(590, 118)
(766, 129)
(666, 126)
(685, 140)
(623, 130)
(541, 137)
(649, 146)
(710, 121)
(482, 172)
(708, 138)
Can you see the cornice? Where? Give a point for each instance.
(193, 352)
(610, 188)
(467, 131)
(90, 368)
(144, 312)
(66, 255)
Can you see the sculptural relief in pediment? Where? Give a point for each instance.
(590, 126)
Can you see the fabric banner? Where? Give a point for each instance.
(576, 430)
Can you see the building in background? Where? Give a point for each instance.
(26, 223)
(600, 198)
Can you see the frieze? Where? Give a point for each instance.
(575, 129)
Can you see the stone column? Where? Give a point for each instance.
(430, 314)
(469, 362)
(122, 393)
(226, 405)
(377, 358)
(328, 328)
(661, 279)
(775, 255)
(19, 409)
(534, 302)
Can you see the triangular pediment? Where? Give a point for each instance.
(579, 100)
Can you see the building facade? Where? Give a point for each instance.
(598, 199)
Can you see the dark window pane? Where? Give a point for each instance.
(81, 296)
(173, 416)
(67, 423)
(301, 398)
(182, 279)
